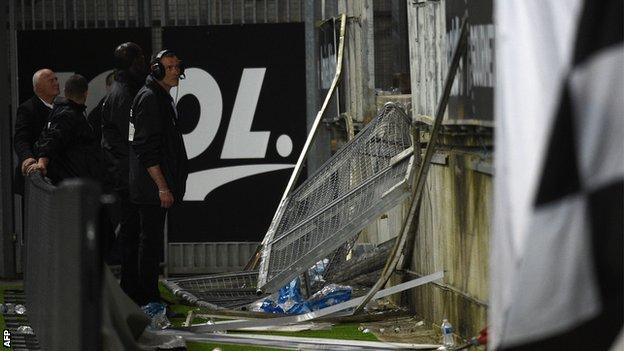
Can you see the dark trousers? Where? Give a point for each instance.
(128, 241)
(107, 234)
(152, 219)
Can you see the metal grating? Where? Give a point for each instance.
(366, 177)
(61, 249)
(39, 282)
(224, 290)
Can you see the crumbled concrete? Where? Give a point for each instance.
(403, 329)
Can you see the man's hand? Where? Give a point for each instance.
(165, 195)
(41, 165)
(27, 163)
(166, 198)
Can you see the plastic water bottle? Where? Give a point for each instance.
(447, 334)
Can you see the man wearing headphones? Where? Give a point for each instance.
(130, 73)
(158, 164)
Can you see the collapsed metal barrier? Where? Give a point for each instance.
(367, 177)
(229, 290)
(321, 219)
(341, 309)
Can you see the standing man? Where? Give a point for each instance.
(67, 148)
(95, 116)
(130, 73)
(32, 117)
(158, 164)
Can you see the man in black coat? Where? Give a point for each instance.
(130, 73)
(95, 116)
(67, 147)
(32, 117)
(158, 163)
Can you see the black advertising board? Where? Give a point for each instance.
(88, 52)
(472, 95)
(242, 111)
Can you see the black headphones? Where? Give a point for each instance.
(157, 70)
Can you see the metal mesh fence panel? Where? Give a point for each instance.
(38, 277)
(63, 262)
(224, 290)
(358, 183)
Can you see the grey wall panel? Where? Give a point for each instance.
(209, 257)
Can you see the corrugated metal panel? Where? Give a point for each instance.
(433, 29)
(427, 56)
(209, 257)
(78, 14)
(196, 12)
(359, 70)
(391, 43)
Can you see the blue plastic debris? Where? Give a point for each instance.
(331, 294)
(158, 315)
(270, 306)
(290, 294)
(317, 272)
(290, 301)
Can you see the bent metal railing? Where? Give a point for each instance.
(367, 177)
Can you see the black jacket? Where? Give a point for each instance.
(32, 117)
(95, 120)
(155, 140)
(69, 142)
(115, 115)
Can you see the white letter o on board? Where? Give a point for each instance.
(205, 88)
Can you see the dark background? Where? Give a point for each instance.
(241, 210)
(88, 52)
(477, 102)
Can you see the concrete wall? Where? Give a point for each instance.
(453, 236)
(453, 229)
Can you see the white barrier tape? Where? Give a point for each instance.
(298, 343)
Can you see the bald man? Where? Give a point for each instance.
(32, 116)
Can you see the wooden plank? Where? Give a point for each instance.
(412, 30)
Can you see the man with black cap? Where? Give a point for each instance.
(66, 147)
(130, 73)
(158, 163)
